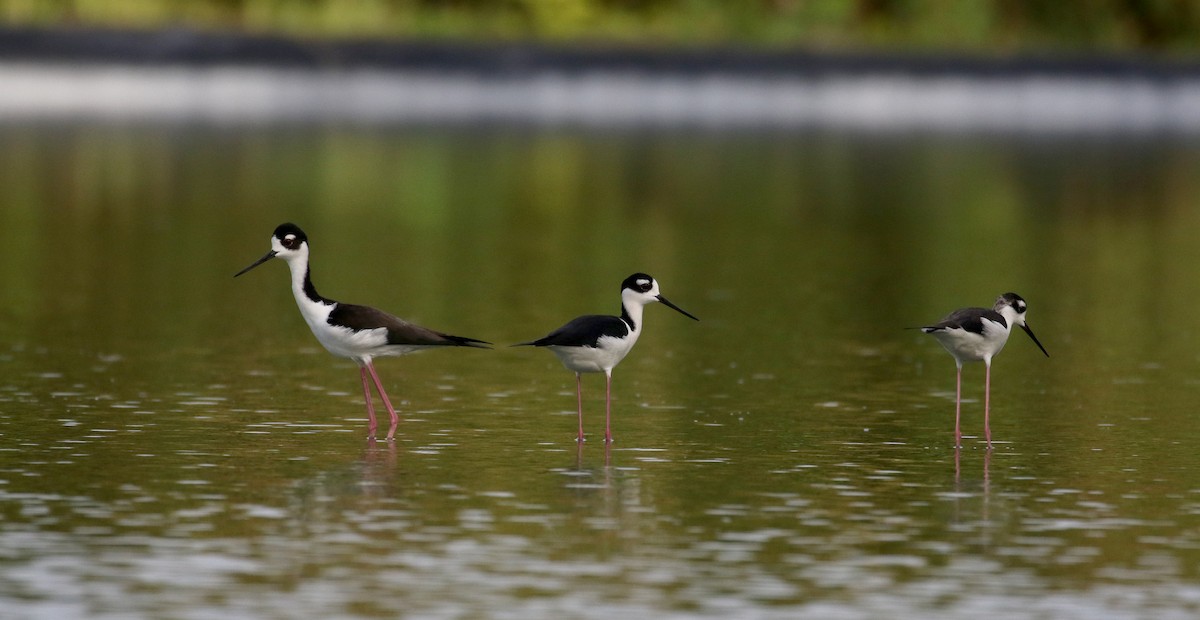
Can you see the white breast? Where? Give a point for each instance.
(968, 346)
(602, 358)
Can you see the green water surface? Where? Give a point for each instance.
(174, 443)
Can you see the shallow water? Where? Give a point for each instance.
(174, 443)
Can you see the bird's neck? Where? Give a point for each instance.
(631, 313)
(302, 285)
(1010, 317)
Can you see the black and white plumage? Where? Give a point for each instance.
(360, 333)
(598, 342)
(977, 335)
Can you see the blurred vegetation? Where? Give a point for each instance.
(1171, 26)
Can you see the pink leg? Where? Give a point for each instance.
(579, 400)
(371, 424)
(987, 403)
(957, 468)
(608, 407)
(387, 403)
(958, 409)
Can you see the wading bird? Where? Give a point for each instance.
(360, 333)
(597, 342)
(977, 335)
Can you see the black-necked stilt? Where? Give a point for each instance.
(360, 333)
(597, 342)
(977, 335)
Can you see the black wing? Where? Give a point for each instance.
(582, 332)
(399, 331)
(969, 319)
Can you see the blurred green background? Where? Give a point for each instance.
(175, 444)
(983, 26)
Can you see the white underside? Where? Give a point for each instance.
(968, 346)
(360, 346)
(602, 358)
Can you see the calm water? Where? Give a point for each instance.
(175, 444)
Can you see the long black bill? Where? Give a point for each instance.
(672, 306)
(1035, 340)
(266, 257)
